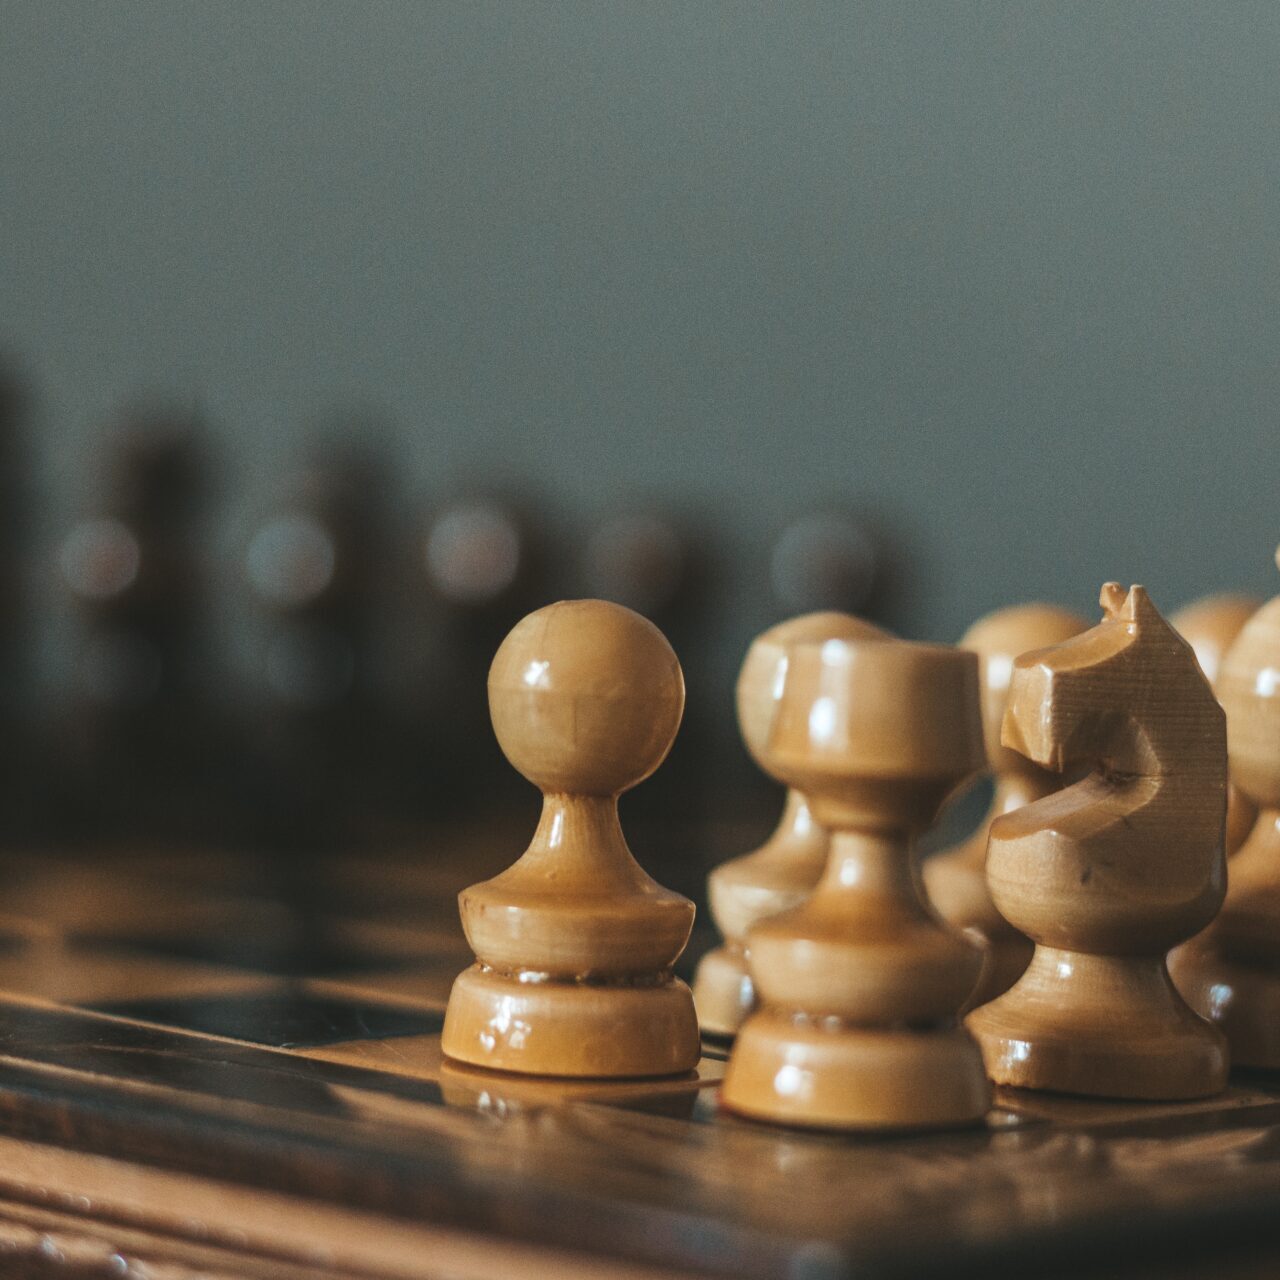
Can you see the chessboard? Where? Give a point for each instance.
(223, 1064)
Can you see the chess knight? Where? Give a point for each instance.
(1107, 875)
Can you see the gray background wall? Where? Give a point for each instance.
(1006, 274)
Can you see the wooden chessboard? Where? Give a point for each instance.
(225, 1066)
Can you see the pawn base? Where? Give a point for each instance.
(809, 1074)
(551, 1028)
(1241, 1000)
(723, 991)
(1102, 1026)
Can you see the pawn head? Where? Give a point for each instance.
(586, 697)
(1249, 687)
(999, 639)
(1211, 625)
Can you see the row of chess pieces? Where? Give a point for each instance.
(1090, 938)
(290, 682)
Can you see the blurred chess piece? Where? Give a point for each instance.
(574, 943)
(141, 731)
(956, 879)
(23, 775)
(1231, 972)
(823, 561)
(783, 871)
(637, 559)
(483, 570)
(314, 566)
(14, 522)
(1210, 627)
(479, 555)
(861, 986)
(1108, 874)
(645, 559)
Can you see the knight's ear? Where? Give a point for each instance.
(1111, 598)
(1138, 608)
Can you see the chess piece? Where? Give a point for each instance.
(481, 556)
(824, 560)
(783, 871)
(313, 565)
(647, 560)
(956, 879)
(1108, 874)
(1231, 973)
(477, 554)
(15, 528)
(861, 985)
(574, 943)
(134, 571)
(639, 560)
(141, 737)
(1210, 627)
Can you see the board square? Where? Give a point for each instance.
(288, 954)
(294, 1019)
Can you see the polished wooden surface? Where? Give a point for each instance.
(1232, 972)
(956, 879)
(861, 985)
(783, 871)
(1110, 873)
(293, 1115)
(574, 943)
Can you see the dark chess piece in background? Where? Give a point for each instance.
(825, 560)
(315, 565)
(482, 565)
(22, 793)
(143, 754)
(646, 558)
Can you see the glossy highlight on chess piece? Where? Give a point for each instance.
(1107, 875)
(956, 879)
(1210, 626)
(862, 985)
(1231, 973)
(574, 943)
(782, 872)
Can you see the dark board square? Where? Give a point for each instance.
(282, 1021)
(308, 953)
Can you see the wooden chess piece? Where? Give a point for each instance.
(143, 743)
(639, 559)
(956, 879)
(1108, 874)
(574, 943)
(861, 986)
(647, 559)
(1231, 973)
(824, 560)
(314, 565)
(782, 872)
(1210, 627)
(483, 564)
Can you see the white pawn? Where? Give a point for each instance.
(574, 943)
(782, 872)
